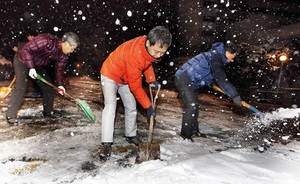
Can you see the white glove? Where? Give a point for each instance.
(61, 90)
(32, 73)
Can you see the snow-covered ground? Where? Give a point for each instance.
(61, 151)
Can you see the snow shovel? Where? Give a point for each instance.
(149, 151)
(5, 91)
(245, 104)
(82, 104)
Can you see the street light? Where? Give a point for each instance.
(282, 58)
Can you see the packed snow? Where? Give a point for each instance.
(62, 152)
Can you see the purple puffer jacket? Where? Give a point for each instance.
(43, 51)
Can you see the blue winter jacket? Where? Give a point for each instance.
(207, 69)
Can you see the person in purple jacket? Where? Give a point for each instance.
(34, 57)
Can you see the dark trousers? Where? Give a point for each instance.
(19, 90)
(191, 105)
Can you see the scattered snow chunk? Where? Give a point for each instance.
(285, 137)
(56, 29)
(117, 22)
(129, 13)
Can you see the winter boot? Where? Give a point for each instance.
(105, 151)
(189, 138)
(134, 140)
(52, 114)
(198, 134)
(12, 121)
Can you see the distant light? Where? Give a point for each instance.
(124, 28)
(283, 57)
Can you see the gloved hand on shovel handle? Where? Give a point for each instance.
(61, 90)
(32, 73)
(154, 85)
(151, 112)
(237, 101)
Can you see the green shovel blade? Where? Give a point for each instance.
(86, 109)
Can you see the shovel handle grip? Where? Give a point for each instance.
(12, 82)
(245, 104)
(52, 85)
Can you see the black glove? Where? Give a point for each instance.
(154, 85)
(237, 101)
(151, 112)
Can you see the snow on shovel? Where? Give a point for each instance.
(5, 91)
(245, 104)
(82, 104)
(149, 151)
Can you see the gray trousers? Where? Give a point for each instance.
(19, 90)
(110, 89)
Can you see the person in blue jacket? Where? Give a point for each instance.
(205, 69)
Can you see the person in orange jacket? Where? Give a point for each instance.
(122, 73)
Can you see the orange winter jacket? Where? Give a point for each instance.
(126, 65)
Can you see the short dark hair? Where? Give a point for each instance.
(231, 47)
(71, 37)
(160, 34)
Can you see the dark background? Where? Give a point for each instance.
(261, 29)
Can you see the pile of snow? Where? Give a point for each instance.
(57, 157)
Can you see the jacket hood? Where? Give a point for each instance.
(219, 48)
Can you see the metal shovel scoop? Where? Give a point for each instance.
(149, 151)
(82, 104)
(5, 91)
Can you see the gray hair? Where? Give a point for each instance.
(71, 38)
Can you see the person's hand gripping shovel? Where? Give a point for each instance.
(245, 104)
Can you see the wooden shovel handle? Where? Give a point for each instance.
(12, 82)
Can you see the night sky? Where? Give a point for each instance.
(102, 25)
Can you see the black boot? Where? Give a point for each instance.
(187, 137)
(198, 134)
(134, 140)
(12, 121)
(105, 151)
